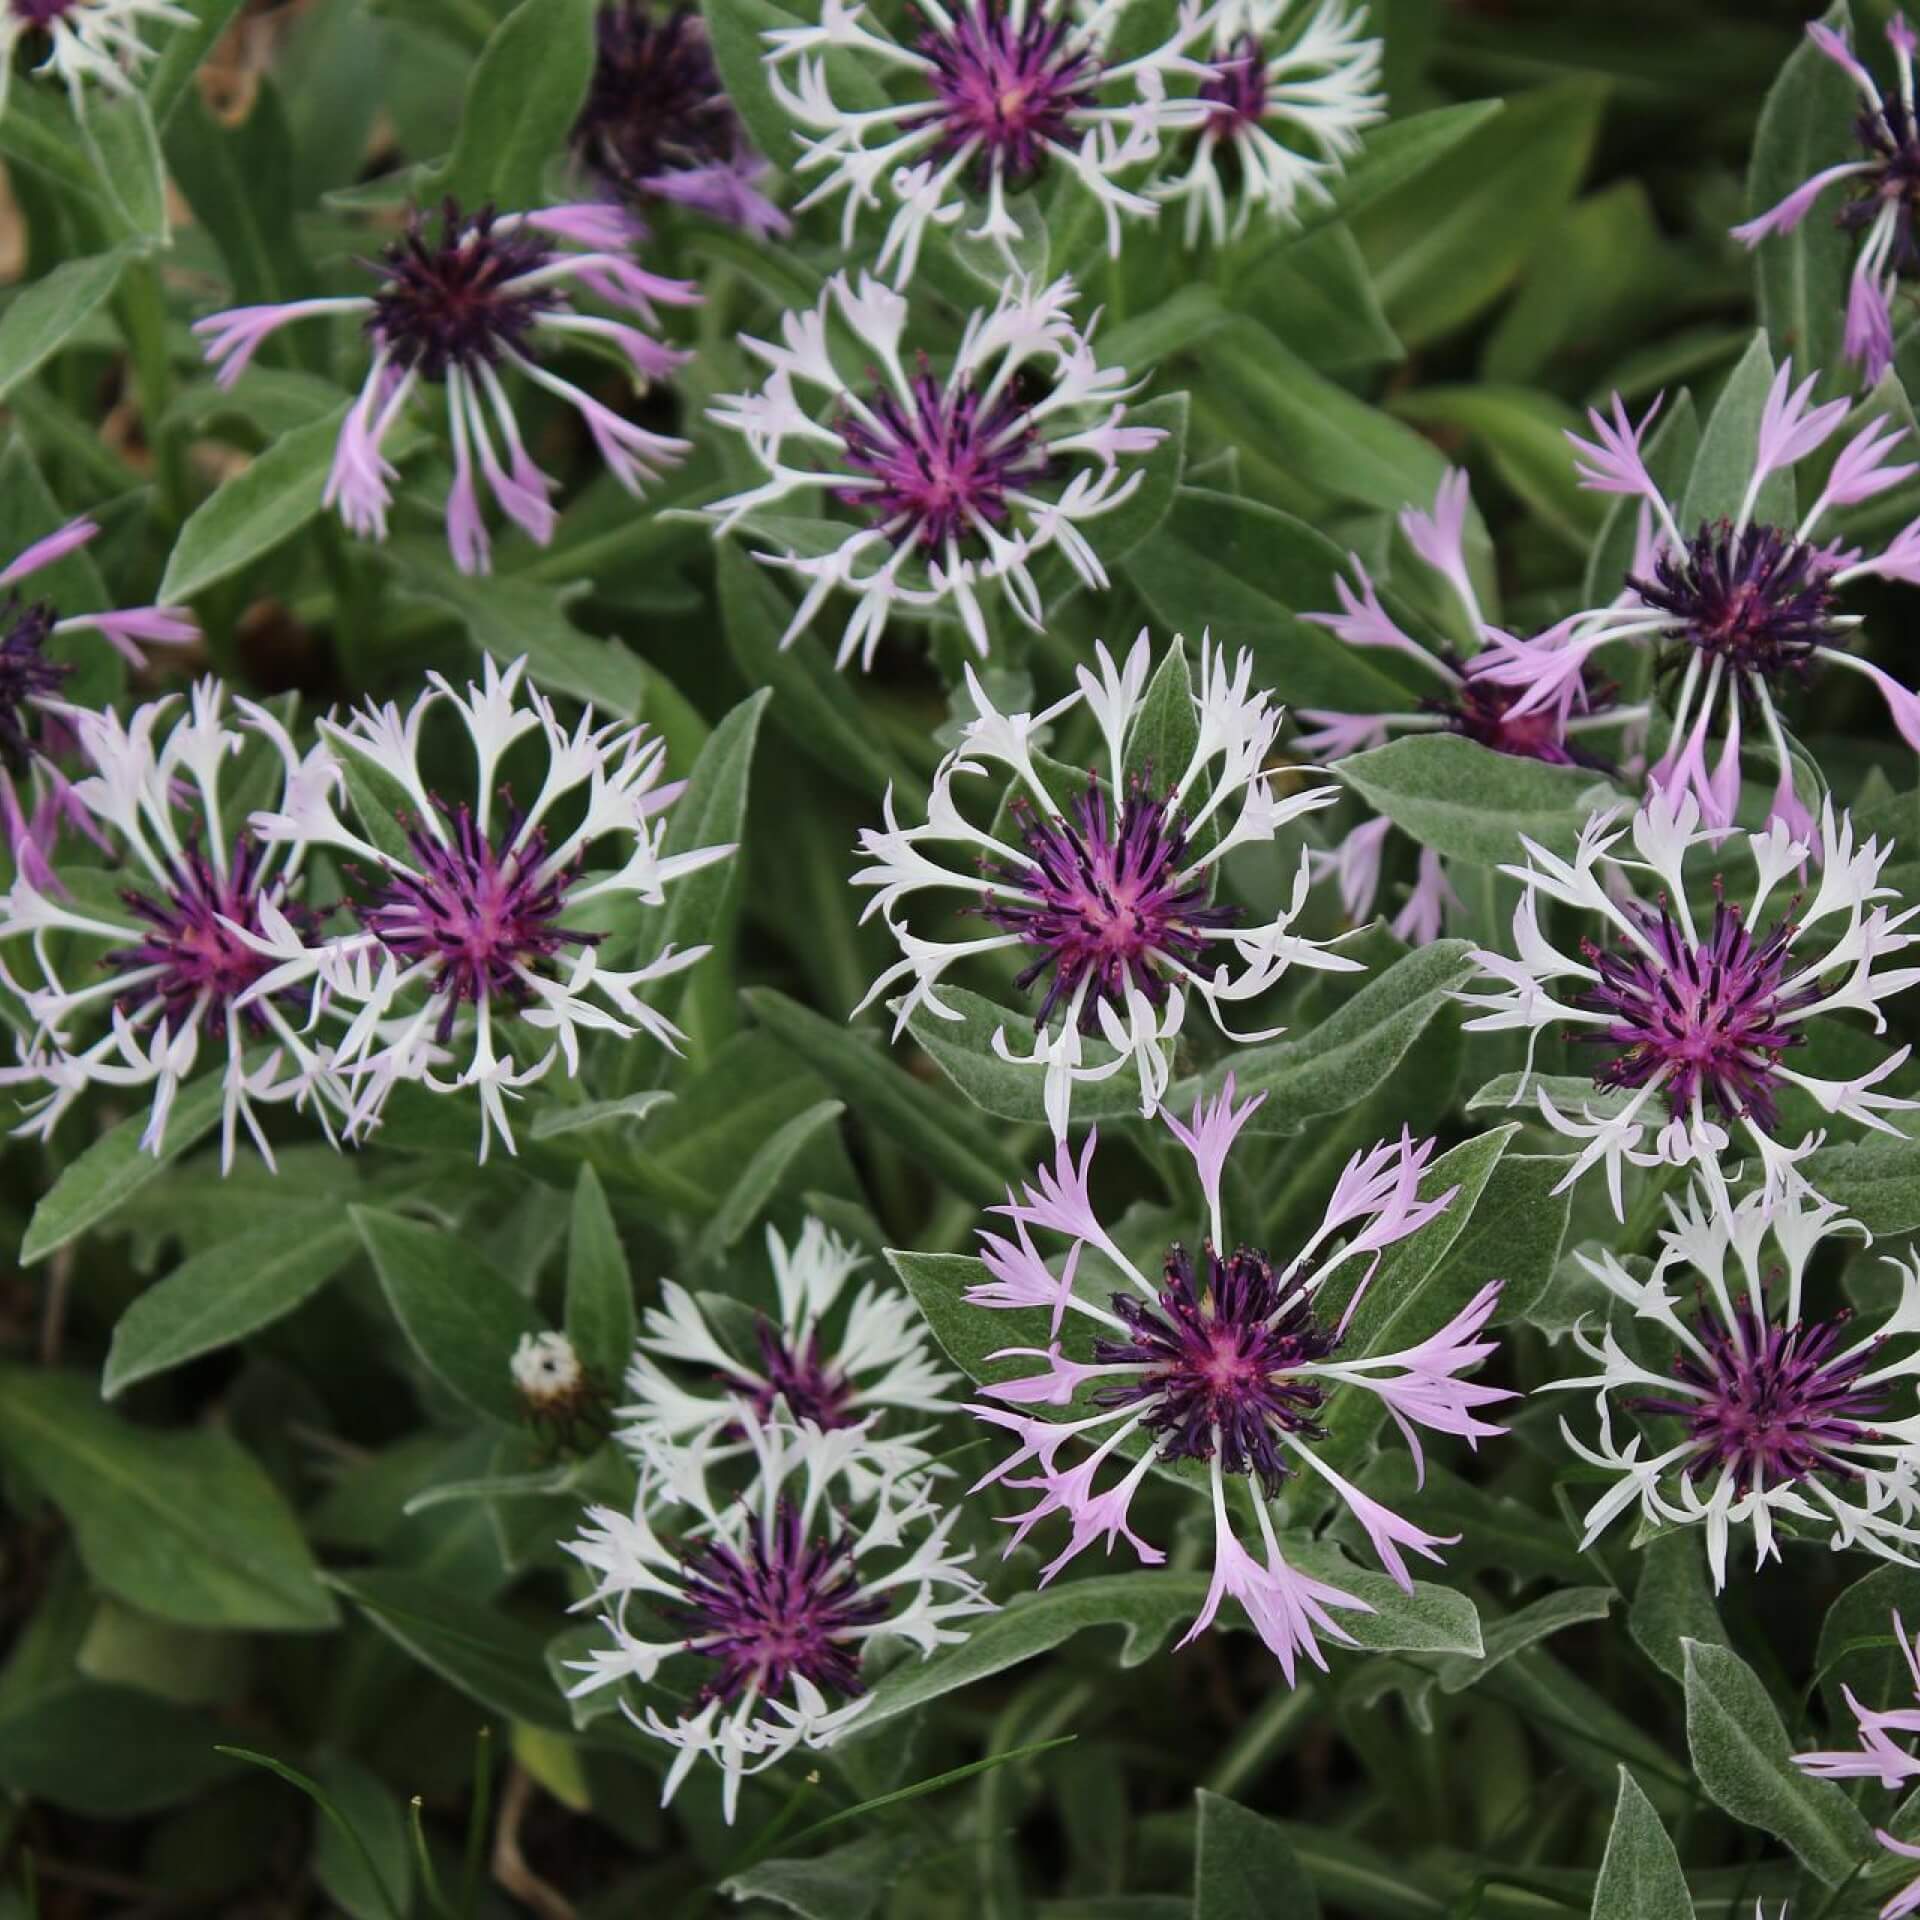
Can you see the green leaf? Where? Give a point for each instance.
(181, 53)
(120, 137)
(1745, 1762)
(555, 1123)
(1858, 1646)
(847, 1884)
(747, 1199)
(39, 320)
(1466, 801)
(735, 29)
(913, 1116)
(1244, 1867)
(112, 1753)
(362, 1856)
(1165, 729)
(522, 100)
(460, 1315)
(116, 1167)
(1640, 1877)
(1801, 277)
(182, 1524)
(1517, 1631)
(1877, 1180)
(1724, 465)
(1403, 150)
(599, 1312)
(229, 1291)
(1673, 1602)
(1517, 1231)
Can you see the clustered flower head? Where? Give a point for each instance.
(958, 481)
(1768, 1415)
(1106, 895)
(97, 41)
(461, 304)
(746, 1615)
(1744, 610)
(1229, 1359)
(1701, 1001)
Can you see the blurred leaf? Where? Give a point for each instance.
(1640, 1877)
(38, 320)
(749, 1196)
(362, 1856)
(522, 98)
(1319, 299)
(1402, 151)
(847, 1884)
(1244, 1867)
(181, 52)
(238, 180)
(108, 1752)
(126, 153)
(599, 1312)
(735, 29)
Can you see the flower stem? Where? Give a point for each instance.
(143, 320)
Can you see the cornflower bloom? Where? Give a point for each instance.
(455, 307)
(1743, 609)
(1461, 700)
(476, 922)
(86, 40)
(1700, 1017)
(956, 482)
(1882, 188)
(1781, 1414)
(1228, 1360)
(657, 123)
(829, 1368)
(1319, 91)
(1880, 1757)
(991, 96)
(764, 1605)
(133, 981)
(1108, 896)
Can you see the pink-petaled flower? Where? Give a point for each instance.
(1741, 612)
(954, 484)
(1287, 111)
(657, 124)
(1229, 1360)
(1882, 198)
(1736, 1403)
(1457, 696)
(83, 42)
(989, 97)
(459, 306)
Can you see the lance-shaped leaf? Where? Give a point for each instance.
(1640, 1877)
(1244, 1867)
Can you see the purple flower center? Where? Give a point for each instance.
(483, 918)
(945, 465)
(1708, 1020)
(1757, 599)
(452, 301)
(26, 675)
(796, 1374)
(1779, 1399)
(1008, 90)
(1220, 1348)
(1891, 138)
(42, 13)
(1483, 712)
(788, 1606)
(655, 104)
(1237, 87)
(1111, 910)
(199, 963)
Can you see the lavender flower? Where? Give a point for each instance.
(1227, 1360)
(132, 984)
(1783, 1417)
(1319, 90)
(960, 482)
(452, 310)
(1701, 1017)
(772, 1599)
(992, 95)
(1742, 610)
(657, 124)
(480, 938)
(85, 40)
(1882, 196)
(1110, 899)
(1462, 701)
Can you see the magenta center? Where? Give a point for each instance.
(1237, 87)
(1007, 91)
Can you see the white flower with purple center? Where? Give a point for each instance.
(657, 123)
(1768, 1414)
(1107, 895)
(460, 307)
(1881, 1757)
(1460, 700)
(1701, 1007)
(750, 1620)
(956, 481)
(84, 41)
(481, 923)
(1883, 195)
(1226, 1360)
(1743, 611)
(829, 1362)
(137, 975)
(991, 97)
(1286, 109)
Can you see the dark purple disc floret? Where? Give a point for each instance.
(1237, 86)
(793, 1371)
(655, 105)
(1891, 139)
(26, 675)
(1110, 905)
(787, 1606)
(1008, 90)
(1219, 1347)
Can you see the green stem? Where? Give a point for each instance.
(143, 318)
(1267, 1733)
